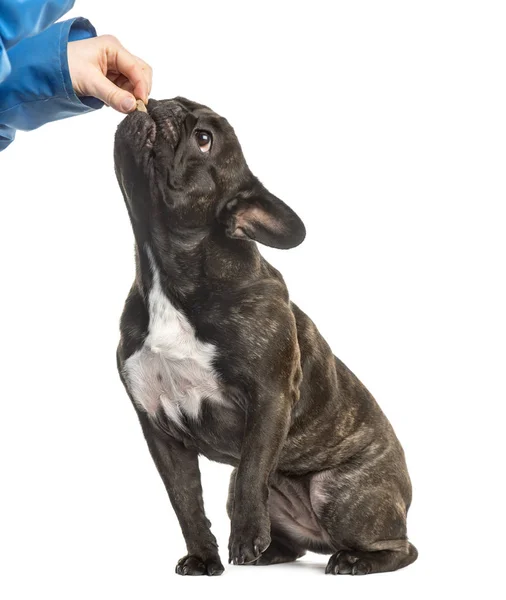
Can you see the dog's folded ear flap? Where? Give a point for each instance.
(258, 215)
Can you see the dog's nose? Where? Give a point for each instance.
(169, 116)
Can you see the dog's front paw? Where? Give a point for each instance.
(196, 565)
(247, 543)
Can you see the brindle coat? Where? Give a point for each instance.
(317, 464)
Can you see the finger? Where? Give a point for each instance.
(148, 76)
(113, 76)
(137, 72)
(105, 90)
(122, 82)
(149, 72)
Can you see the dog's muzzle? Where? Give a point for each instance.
(169, 117)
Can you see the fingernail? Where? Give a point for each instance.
(128, 104)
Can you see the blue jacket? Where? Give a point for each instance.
(35, 84)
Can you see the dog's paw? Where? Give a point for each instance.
(195, 565)
(348, 563)
(247, 544)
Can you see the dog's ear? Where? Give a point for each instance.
(258, 215)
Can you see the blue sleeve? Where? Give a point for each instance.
(20, 19)
(39, 89)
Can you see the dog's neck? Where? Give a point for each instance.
(191, 262)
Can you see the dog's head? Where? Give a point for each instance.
(183, 162)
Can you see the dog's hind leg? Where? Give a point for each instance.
(363, 509)
(359, 562)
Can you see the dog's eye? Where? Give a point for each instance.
(204, 140)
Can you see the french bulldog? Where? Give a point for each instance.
(218, 361)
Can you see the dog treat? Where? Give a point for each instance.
(141, 106)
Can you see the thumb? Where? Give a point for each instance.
(105, 90)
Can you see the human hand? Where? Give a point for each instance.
(102, 68)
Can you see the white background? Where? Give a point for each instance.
(383, 124)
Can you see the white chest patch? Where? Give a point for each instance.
(173, 369)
